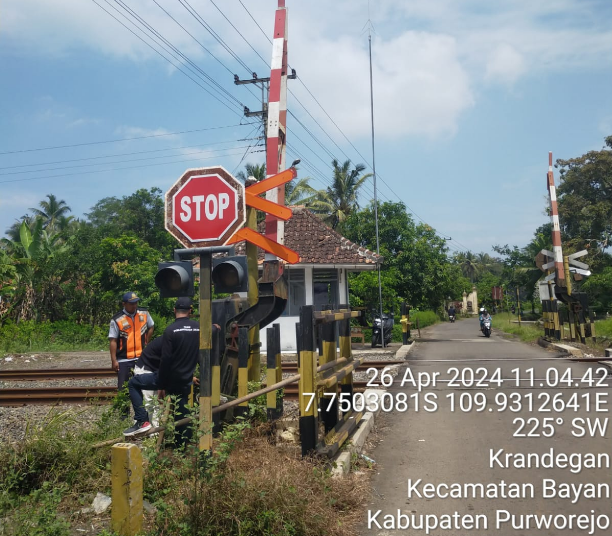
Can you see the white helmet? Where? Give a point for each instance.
(482, 309)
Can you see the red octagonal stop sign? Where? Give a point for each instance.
(205, 207)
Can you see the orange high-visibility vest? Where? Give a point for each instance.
(131, 340)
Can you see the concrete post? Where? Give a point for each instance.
(127, 485)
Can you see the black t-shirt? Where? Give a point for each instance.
(151, 355)
(180, 352)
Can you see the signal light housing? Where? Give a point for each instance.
(230, 274)
(175, 279)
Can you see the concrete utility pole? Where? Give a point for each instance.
(276, 128)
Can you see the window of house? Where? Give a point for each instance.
(325, 286)
(297, 292)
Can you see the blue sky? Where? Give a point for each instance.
(469, 98)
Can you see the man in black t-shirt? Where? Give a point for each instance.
(180, 350)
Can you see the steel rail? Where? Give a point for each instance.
(107, 373)
(56, 374)
(54, 395)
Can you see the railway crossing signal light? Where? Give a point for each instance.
(175, 279)
(230, 274)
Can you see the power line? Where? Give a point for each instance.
(209, 29)
(257, 24)
(174, 50)
(114, 169)
(124, 154)
(237, 30)
(125, 139)
(160, 54)
(116, 162)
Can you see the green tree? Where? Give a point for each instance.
(415, 265)
(585, 199)
(340, 199)
(141, 214)
(52, 212)
(469, 264)
(258, 171)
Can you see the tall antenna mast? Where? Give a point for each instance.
(382, 324)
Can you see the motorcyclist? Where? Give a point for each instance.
(483, 317)
(480, 313)
(451, 311)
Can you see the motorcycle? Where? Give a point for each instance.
(387, 326)
(451, 318)
(486, 327)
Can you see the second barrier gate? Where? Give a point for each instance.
(320, 374)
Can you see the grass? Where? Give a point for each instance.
(531, 332)
(526, 332)
(246, 487)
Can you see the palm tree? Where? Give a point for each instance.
(252, 170)
(340, 199)
(51, 211)
(300, 192)
(468, 262)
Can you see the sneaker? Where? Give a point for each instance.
(138, 428)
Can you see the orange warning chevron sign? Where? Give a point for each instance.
(280, 211)
(266, 244)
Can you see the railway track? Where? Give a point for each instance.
(104, 394)
(97, 395)
(54, 395)
(20, 375)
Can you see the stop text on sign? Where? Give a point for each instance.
(214, 206)
(205, 207)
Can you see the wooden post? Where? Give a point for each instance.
(206, 418)
(329, 409)
(243, 369)
(127, 486)
(344, 332)
(307, 366)
(275, 373)
(404, 321)
(253, 296)
(215, 360)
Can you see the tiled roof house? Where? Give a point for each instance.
(320, 277)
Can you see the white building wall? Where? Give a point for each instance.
(287, 332)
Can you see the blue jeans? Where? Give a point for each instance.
(148, 382)
(136, 385)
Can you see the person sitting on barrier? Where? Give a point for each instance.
(179, 356)
(148, 363)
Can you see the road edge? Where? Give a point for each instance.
(354, 445)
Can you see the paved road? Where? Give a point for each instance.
(460, 447)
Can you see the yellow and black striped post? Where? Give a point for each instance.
(329, 404)
(216, 377)
(405, 323)
(275, 372)
(344, 334)
(253, 297)
(545, 304)
(592, 324)
(307, 366)
(206, 418)
(243, 369)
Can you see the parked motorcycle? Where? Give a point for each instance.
(387, 326)
(486, 327)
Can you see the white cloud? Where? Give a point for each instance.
(420, 86)
(429, 57)
(505, 65)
